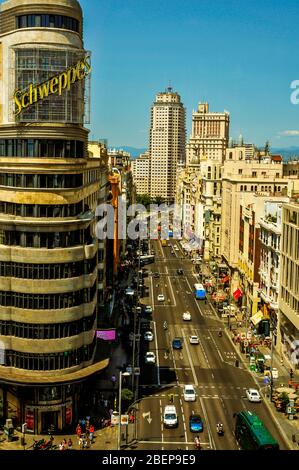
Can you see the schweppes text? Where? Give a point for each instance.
(57, 84)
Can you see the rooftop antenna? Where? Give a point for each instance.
(169, 88)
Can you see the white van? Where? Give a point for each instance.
(170, 417)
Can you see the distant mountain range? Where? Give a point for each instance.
(288, 153)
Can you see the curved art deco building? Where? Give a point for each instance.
(48, 194)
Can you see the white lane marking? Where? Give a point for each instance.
(173, 296)
(162, 428)
(189, 359)
(157, 354)
(211, 440)
(172, 442)
(161, 248)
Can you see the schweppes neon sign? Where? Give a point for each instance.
(55, 85)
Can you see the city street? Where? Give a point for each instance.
(210, 366)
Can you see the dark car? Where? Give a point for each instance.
(156, 274)
(177, 343)
(195, 423)
(180, 271)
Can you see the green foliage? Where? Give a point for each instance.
(127, 394)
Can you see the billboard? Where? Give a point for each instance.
(107, 335)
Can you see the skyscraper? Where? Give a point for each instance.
(49, 191)
(167, 143)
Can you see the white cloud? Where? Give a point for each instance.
(289, 133)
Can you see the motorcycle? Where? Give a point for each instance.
(197, 443)
(220, 430)
(220, 333)
(165, 325)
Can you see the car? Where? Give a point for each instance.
(180, 271)
(189, 393)
(150, 358)
(129, 291)
(253, 395)
(170, 417)
(176, 248)
(148, 336)
(161, 298)
(148, 309)
(195, 423)
(187, 316)
(177, 343)
(274, 373)
(156, 274)
(169, 245)
(194, 339)
(172, 252)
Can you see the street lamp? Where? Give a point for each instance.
(121, 375)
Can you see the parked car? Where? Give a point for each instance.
(253, 395)
(161, 298)
(170, 417)
(194, 339)
(156, 274)
(177, 343)
(189, 393)
(150, 358)
(148, 309)
(148, 336)
(195, 423)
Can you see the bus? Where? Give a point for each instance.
(146, 259)
(252, 434)
(199, 291)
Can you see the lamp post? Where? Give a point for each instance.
(121, 375)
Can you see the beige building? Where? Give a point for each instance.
(209, 136)
(49, 192)
(289, 284)
(206, 148)
(141, 173)
(166, 144)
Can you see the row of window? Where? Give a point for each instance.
(47, 301)
(48, 240)
(261, 188)
(47, 271)
(54, 361)
(50, 331)
(36, 148)
(36, 210)
(19, 180)
(47, 21)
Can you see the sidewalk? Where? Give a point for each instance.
(289, 428)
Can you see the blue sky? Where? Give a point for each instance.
(238, 55)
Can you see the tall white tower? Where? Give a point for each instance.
(167, 143)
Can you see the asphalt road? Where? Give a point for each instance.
(209, 366)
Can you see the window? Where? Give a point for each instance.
(240, 171)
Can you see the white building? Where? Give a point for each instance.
(167, 143)
(141, 173)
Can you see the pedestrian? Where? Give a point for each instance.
(91, 432)
(83, 422)
(106, 403)
(84, 443)
(113, 380)
(70, 444)
(78, 431)
(102, 422)
(80, 443)
(61, 446)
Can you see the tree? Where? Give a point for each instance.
(127, 395)
(143, 199)
(158, 200)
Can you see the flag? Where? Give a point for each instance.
(225, 279)
(238, 293)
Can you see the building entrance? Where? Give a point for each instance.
(49, 419)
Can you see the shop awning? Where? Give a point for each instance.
(257, 317)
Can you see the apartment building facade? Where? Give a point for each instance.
(141, 173)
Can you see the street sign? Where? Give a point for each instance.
(124, 419)
(115, 418)
(129, 369)
(136, 370)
